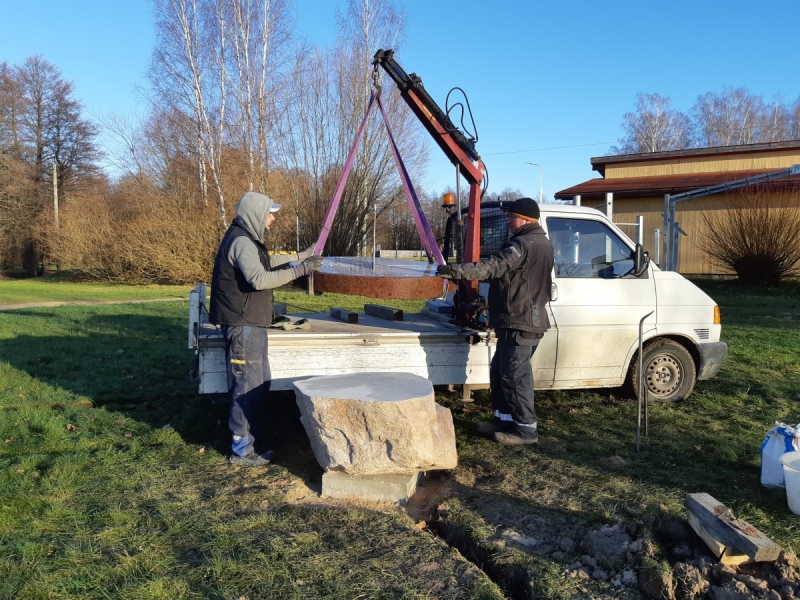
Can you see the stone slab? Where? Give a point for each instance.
(374, 422)
(389, 487)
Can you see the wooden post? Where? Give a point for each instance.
(726, 534)
(342, 314)
(383, 312)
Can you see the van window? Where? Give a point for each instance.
(588, 249)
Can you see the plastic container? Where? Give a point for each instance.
(791, 472)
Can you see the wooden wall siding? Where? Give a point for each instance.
(774, 159)
(691, 259)
(689, 215)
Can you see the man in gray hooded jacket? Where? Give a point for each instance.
(241, 303)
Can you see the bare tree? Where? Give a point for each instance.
(729, 118)
(506, 195)
(181, 74)
(794, 120)
(260, 40)
(774, 123)
(653, 127)
(42, 127)
(10, 112)
(331, 91)
(754, 234)
(223, 63)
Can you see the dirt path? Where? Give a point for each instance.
(75, 302)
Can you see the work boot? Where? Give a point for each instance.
(252, 459)
(516, 437)
(487, 429)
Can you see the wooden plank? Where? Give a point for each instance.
(726, 555)
(342, 314)
(384, 312)
(719, 522)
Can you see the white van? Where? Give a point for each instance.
(597, 303)
(603, 286)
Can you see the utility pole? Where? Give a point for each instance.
(55, 193)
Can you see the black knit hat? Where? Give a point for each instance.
(526, 208)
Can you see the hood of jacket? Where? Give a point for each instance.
(251, 214)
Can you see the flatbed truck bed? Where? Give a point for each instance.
(424, 344)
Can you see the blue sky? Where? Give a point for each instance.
(548, 81)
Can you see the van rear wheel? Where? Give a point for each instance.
(669, 371)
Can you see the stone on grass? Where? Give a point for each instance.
(376, 423)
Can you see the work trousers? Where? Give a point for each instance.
(248, 386)
(511, 378)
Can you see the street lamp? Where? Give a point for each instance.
(540, 179)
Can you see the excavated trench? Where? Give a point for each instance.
(529, 553)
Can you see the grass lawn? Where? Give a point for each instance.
(114, 484)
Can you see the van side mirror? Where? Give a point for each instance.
(640, 260)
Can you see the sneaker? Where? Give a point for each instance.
(487, 428)
(513, 438)
(253, 459)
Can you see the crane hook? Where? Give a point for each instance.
(375, 83)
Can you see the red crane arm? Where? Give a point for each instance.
(459, 148)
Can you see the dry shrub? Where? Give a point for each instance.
(755, 234)
(136, 236)
(174, 243)
(84, 239)
(140, 232)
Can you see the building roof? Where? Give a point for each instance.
(658, 185)
(599, 162)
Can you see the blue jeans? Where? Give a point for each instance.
(511, 377)
(248, 386)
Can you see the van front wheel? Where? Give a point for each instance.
(669, 371)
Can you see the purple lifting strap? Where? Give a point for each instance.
(423, 227)
(337, 195)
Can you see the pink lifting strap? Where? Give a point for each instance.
(423, 227)
(337, 195)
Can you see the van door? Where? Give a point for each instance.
(599, 302)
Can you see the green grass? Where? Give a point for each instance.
(113, 480)
(61, 288)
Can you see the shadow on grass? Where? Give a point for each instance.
(127, 361)
(135, 361)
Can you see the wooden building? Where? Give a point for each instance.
(635, 184)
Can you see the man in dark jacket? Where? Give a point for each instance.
(241, 303)
(519, 288)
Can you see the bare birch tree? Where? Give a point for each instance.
(331, 94)
(653, 127)
(222, 62)
(731, 117)
(260, 40)
(182, 75)
(728, 118)
(794, 120)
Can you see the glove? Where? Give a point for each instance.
(312, 264)
(445, 272)
(305, 253)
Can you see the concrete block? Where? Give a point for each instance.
(389, 487)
